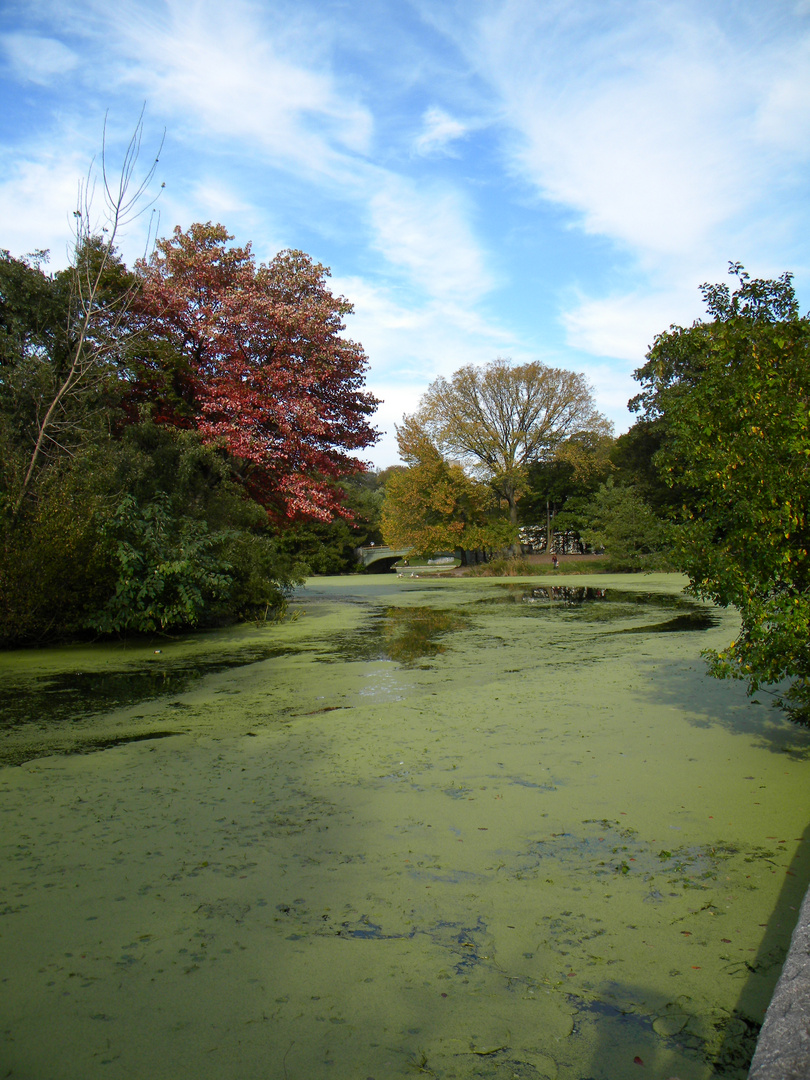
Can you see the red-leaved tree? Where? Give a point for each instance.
(252, 356)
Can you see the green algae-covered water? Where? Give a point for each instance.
(448, 828)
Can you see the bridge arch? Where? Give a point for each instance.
(378, 553)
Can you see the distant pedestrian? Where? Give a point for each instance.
(555, 562)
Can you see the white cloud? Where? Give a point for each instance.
(426, 233)
(41, 186)
(439, 131)
(218, 197)
(783, 115)
(37, 196)
(230, 76)
(653, 123)
(39, 59)
(625, 143)
(624, 326)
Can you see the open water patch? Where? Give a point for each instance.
(71, 696)
(404, 635)
(607, 849)
(606, 605)
(412, 636)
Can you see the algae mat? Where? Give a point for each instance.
(469, 828)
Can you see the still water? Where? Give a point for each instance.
(447, 828)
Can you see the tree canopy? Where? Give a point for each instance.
(500, 418)
(260, 364)
(730, 398)
(161, 428)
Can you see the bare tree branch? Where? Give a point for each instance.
(92, 319)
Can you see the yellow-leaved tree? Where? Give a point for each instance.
(434, 506)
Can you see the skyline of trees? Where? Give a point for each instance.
(163, 428)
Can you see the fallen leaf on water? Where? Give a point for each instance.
(637, 1060)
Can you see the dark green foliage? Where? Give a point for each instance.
(186, 537)
(733, 396)
(54, 566)
(329, 547)
(633, 460)
(32, 320)
(582, 463)
(169, 569)
(617, 519)
(62, 363)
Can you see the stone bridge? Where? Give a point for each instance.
(378, 553)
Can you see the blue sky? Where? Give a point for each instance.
(536, 179)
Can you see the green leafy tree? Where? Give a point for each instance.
(499, 419)
(189, 491)
(169, 569)
(72, 370)
(578, 467)
(633, 460)
(618, 520)
(54, 565)
(733, 397)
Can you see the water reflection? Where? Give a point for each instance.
(402, 634)
(609, 605)
(409, 636)
(567, 595)
(632, 1026)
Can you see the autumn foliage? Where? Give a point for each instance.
(434, 506)
(499, 419)
(253, 357)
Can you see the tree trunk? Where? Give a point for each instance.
(513, 519)
(549, 528)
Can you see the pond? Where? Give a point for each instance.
(450, 828)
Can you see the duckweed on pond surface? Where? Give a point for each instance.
(459, 828)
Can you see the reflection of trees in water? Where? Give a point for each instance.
(411, 634)
(569, 595)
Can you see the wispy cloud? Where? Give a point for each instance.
(411, 343)
(542, 180)
(38, 193)
(439, 132)
(624, 325)
(235, 74)
(37, 59)
(426, 233)
(671, 130)
(645, 128)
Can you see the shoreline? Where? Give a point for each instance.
(783, 1047)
